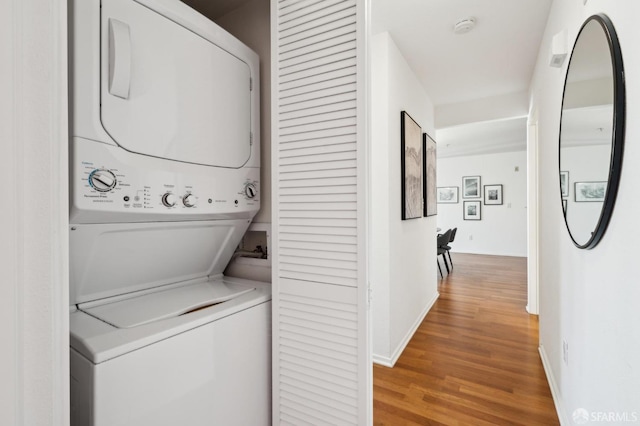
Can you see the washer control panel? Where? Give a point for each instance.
(108, 181)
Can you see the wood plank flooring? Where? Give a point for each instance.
(474, 359)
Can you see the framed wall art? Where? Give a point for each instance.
(471, 210)
(430, 179)
(590, 192)
(471, 187)
(411, 158)
(493, 195)
(448, 194)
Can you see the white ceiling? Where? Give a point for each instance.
(486, 137)
(497, 57)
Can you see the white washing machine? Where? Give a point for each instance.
(164, 181)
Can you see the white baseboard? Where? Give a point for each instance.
(391, 361)
(553, 385)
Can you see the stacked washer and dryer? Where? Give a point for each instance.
(164, 181)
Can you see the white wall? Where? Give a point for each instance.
(502, 229)
(589, 298)
(251, 24)
(34, 299)
(403, 253)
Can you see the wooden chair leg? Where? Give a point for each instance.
(450, 261)
(439, 268)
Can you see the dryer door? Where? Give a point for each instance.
(168, 92)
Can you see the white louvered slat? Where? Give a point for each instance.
(319, 238)
(320, 134)
(313, 121)
(318, 182)
(329, 247)
(317, 40)
(319, 48)
(304, 75)
(338, 98)
(336, 78)
(301, 13)
(313, 17)
(322, 166)
(321, 360)
(338, 20)
(318, 254)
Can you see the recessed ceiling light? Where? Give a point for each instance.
(464, 25)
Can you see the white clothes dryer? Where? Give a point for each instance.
(164, 181)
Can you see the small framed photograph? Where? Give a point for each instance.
(471, 187)
(472, 210)
(448, 194)
(564, 184)
(590, 192)
(493, 195)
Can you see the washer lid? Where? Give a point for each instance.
(169, 92)
(114, 259)
(165, 304)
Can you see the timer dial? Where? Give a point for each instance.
(250, 190)
(189, 200)
(169, 199)
(102, 180)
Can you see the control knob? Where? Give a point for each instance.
(189, 200)
(250, 190)
(169, 199)
(102, 180)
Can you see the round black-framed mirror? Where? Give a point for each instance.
(592, 130)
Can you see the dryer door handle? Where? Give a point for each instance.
(119, 58)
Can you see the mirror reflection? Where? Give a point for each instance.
(588, 130)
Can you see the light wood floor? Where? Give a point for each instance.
(474, 359)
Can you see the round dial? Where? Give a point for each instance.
(102, 180)
(189, 200)
(250, 190)
(169, 199)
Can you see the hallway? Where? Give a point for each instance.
(474, 359)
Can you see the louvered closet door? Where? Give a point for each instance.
(322, 369)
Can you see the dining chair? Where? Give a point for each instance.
(448, 245)
(442, 241)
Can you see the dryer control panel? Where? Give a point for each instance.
(114, 185)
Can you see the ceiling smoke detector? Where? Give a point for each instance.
(464, 26)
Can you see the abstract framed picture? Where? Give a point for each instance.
(590, 192)
(493, 195)
(411, 158)
(430, 180)
(564, 184)
(471, 210)
(471, 187)
(448, 194)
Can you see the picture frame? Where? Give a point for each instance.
(590, 192)
(564, 184)
(472, 210)
(448, 194)
(411, 166)
(493, 195)
(471, 187)
(429, 184)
